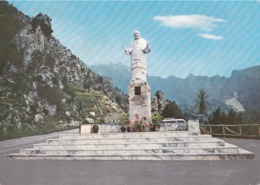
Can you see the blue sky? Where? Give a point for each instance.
(199, 37)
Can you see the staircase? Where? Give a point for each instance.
(133, 146)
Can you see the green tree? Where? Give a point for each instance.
(123, 119)
(81, 104)
(252, 116)
(202, 104)
(232, 117)
(216, 117)
(171, 110)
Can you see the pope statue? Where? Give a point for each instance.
(137, 50)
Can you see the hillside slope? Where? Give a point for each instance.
(42, 83)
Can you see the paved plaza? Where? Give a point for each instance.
(49, 172)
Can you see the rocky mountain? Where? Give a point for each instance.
(244, 85)
(44, 83)
(240, 91)
(118, 74)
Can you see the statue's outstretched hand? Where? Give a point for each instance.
(146, 49)
(127, 51)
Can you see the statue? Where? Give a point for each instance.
(139, 95)
(137, 50)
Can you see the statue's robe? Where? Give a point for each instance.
(138, 59)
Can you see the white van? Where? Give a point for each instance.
(172, 120)
(172, 124)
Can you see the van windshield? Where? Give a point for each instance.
(167, 122)
(173, 121)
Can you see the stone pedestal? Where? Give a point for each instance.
(193, 127)
(139, 100)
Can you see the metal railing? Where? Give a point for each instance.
(241, 131)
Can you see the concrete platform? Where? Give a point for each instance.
(133, 146)
(127, 172)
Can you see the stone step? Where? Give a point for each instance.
(124, 140)
(131, 145)
(131, 151)
(241, 155)
(128, 135)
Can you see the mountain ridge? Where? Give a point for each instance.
(183, 91)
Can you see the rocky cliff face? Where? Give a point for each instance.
(158, 102)
(244, 86)
(43, 81)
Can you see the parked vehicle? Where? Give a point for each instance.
(173, 124)
(172, 120)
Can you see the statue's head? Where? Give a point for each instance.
(137, 34)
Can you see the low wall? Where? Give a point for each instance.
(102, 128)
(84, 129)
(109, 128)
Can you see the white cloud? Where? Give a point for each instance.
(198, 22)
(210, 36)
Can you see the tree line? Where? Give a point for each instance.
(218, 116)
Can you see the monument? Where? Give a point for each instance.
(138, 90)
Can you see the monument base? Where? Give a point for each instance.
(133, 146)
(139, 101)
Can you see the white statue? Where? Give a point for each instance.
(137, 50)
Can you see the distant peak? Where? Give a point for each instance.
(44, 22)
(252, 72)
(191, 76)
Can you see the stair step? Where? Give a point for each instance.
(243, 154)
(132, 145)
(127, 135)
(122, 140)
(131, 151)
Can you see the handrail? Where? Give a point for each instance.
(231, 125)
(242, 131)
